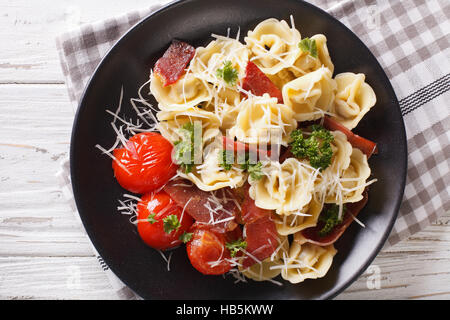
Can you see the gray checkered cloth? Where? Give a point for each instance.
(411, 41)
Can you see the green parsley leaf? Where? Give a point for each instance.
(228, 73)
(254, 169)
(331, 219)
(226, 160)
(151, 218)
(308, 45)
(316, 148)
(236, 246)
(186, 237)
(184, 148)
(171, 223)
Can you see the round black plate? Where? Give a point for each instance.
(128, 64)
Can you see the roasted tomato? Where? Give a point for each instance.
(207, 252)
(161, 222)
(145, 164)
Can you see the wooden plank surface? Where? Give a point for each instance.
(43, 248)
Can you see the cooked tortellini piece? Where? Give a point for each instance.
(226, 105)
(342, 150)
(281, 78)
(285, 187)
(306, 63)
(210, 175)
(352, 181)
(354, 98)
(186, 93)
(171, 124)
(307, 260)
(212, 57)
(263, 120)
(311, 95)
(297, 221)
(273, 45)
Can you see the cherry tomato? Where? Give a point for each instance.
(145, 164)
(152, 212)
(207, 247)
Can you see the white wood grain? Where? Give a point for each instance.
(43, 249)
(29, 28)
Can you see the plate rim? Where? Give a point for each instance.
(104, 60)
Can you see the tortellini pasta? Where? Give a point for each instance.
(281, 78)
(353, 100)
(274, 45)
(306, 63)
(297, 221)
(285, 187)
(307, 260)
(212, 57)
(353, 180)
(263, 120)
(311, 95)
(186, 93)
(171, 124)
(210, 176)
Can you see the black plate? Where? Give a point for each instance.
(128, 64)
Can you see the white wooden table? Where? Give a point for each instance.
(41, 244)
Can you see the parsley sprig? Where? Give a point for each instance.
(186, 237)
(226, 159)
(308, 45)
(236, 246)
(316, 148)
(331, 219)
(254, 169)
(171, 223)
(228, 73)
(184, 148)
(151, 218)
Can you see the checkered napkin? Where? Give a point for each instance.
(411, 41)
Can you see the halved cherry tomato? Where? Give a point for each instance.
(152, 211)
(145, 164)
(207, 252)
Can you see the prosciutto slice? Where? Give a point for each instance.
(170, 67)
(216, 209)
(262, 240)
(312, 234)
(258, 83)
(261, 233)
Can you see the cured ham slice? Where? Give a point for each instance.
(261, 233)
(312, 234)
(262, 240)
(258, 83)
(216, 209)
(249, 211)
(170, 67)
(366, 146)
